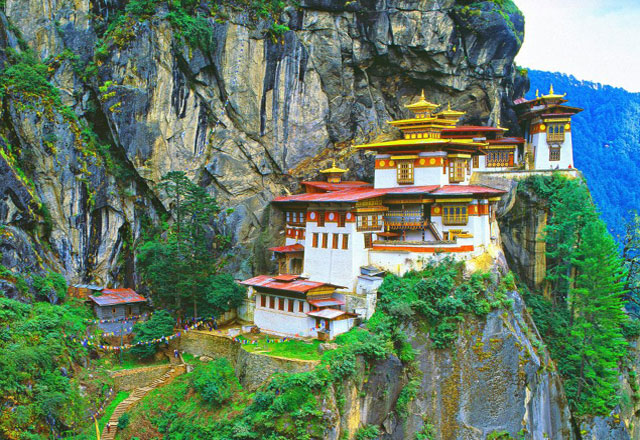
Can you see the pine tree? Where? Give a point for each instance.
(595, 343)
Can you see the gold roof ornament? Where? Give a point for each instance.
(552, 94)
(537, 93)
(334, 169)
(422, 105)
(448, 113)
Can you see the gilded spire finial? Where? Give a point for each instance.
(422, 95)
(537, 93)
(551, 92)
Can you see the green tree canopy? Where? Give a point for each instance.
(181, 263)
(160, 324)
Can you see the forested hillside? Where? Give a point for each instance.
(606, 137)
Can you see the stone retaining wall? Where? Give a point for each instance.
(126, 380)
(252, 369)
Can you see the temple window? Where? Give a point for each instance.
(321, 219)
(290, 306)
(555, 132)
(476, 161)
(457, 170)
(342, 219)
(345, 241)
(325, 239)
(554, 153)
(334, 243)
(371, 222)
(272, 302)
(314, 242)
(263, 301)
(368, 241)
(281, 304)
(405, 171)
(498, 158)
(455, 215)
(300, 307)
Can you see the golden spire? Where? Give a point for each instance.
(551, 90)
(334, 169)
(537, 93)
(422, 95)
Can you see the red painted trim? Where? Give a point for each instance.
(423, 249)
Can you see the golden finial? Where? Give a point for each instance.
(537, 93)
(551, 90)
(422, 95)
(449, 106)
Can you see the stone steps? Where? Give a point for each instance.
(136, 395)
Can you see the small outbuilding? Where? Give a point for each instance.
(117, 306)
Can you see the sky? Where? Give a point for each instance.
(594, 40)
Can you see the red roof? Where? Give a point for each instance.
(286, 277)
(291, 248)
(326, 302)
(326, 186)
(509, 140)
(111, 297)
(466, 190)
(299, 284)
(471, 128)
(520, 100)
(357, 194)
(330, 314)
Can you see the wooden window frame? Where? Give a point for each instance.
(314, 240)
(272, 302)
(325, 240)
(321, 219)
(281, 304)
(449, 218)
(555, 132)
(554, 153)
(345, 241)
(263, 301)
(300, 306)
(405, 172)
(290, 305)
(457, 170)
(368, 240)
(498, 158)
(342, 219)
(334, 241)
(476, 161)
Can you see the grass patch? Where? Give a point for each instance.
(128, 362)
(291, 349)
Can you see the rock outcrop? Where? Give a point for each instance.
(496, 378)
(245, 115)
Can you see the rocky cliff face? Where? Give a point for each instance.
(495, 379)
(245, 116)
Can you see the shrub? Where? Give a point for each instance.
(216, 381)
(123, 421)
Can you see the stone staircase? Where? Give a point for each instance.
(136, 395)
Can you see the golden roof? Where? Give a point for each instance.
(334, 169)
(552, 94)
(423, 142)
(449, 112)
(422, 105)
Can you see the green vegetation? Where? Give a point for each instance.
(368, 432)
(184, 264)
(293, 405)
(215, 381)
(292, 349)
(41, 394)
(160, 324)
(177, 410)
(187, 17)
(439, 296)
(582, 322)
(505, 8)
(606, 137)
